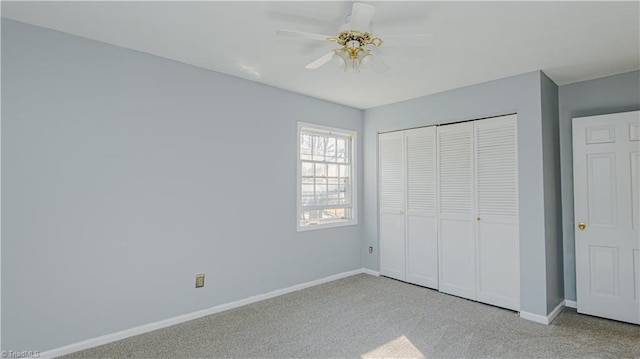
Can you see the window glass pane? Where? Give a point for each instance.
(329, 213)
(341, 150)
(344, 191)
(310, 216)
(307, 192)
(331, 149)
(321, 191)
(332, 170)
(321, 169)
(333, 191)
(319, 147)
(345, 171)
(307, 169)
(305, 143)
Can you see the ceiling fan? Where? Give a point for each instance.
(356, 42)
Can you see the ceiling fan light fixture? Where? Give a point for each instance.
(338, 59)
(365, 57)
(354, 65)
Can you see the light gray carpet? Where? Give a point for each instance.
(368, 317)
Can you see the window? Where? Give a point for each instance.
(326, 177)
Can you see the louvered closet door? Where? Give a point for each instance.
(391, 204)
(456, 206)
(497, 243)
(422, 241)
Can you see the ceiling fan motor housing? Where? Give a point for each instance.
(364, 38)
(354, 41)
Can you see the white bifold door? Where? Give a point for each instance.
(478, 211)
(456, 213)
(391, 197)
(496, 194)
(407, 206)
(606, 182)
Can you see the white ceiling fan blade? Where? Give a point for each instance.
(408, 40)
(361, 16)
(302, 35)
(321, 60)
(378, 64)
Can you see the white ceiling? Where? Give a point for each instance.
(473, 42)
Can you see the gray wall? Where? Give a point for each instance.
(125, 174)
(618, 93)
(552, 196)
(521, 94)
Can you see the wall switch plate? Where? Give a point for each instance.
(370, 249)
(199, 280)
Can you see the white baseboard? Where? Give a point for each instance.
(534, 317)
(554, 313)
(546, 320)
(370, 272)
(570, 303)
(109, 338)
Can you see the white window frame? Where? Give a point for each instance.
(310, 127)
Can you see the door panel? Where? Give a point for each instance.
(601, 184)
(392, 245)
(605, 166)
(457, 257)
(498, 246)
(456, 235)
(498, 267)
(422, 248)
(603, 279)
(635, 189)
(391, 171)
(392, 202)
(634, 132)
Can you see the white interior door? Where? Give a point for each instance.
(456, 228)
(391, 205)
(422, 243)
(606, 175)
(497, 242)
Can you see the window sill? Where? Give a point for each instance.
(313, 227)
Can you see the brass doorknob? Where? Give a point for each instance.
(582, 226)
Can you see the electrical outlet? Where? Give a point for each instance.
(370, 249)
(199, 280)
